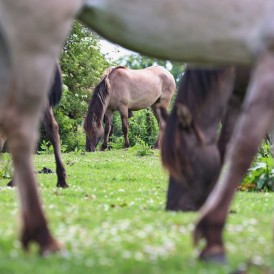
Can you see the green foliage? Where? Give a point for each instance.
(141, 148)
(6, 169)
(260, 176)
(82, 66)
(45, 147)
(138, 61)
(142, 126)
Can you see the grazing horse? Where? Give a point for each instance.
(52, 129)
(125, 90)
(31, 37)
(205, 97)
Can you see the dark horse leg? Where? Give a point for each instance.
(233, 108)
(246, 138)
(124, 118)
(108, 128)
(52, 128)
(161, 124)
(52, 131)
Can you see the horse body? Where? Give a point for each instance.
(128, 90)
(185, 30)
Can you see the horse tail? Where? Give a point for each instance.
(56, 88)
(182, 134)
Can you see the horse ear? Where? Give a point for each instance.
(184, 115)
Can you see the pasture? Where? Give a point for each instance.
(112, 220)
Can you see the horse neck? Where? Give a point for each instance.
(205, 92)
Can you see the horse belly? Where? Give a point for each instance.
(141, 97)
(199, 31)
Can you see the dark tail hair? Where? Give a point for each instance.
(56, 88)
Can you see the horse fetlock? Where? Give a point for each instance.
(40, 235)
(62, 184)
(215, 254)
(210, 230)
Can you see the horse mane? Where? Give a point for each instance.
(192, 92)
(98, 99)
(56, 88)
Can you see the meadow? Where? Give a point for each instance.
(112, 219)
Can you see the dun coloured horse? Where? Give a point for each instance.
(125, 90)
(31, 36)
(52, 129)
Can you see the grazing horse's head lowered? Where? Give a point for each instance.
(125, 90)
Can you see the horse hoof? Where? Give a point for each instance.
(53, 247)
(62, 185)
(217, 258)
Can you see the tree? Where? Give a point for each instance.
(137, 61)
(82, 65)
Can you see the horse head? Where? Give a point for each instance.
(94, 132)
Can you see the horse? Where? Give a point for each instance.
(189, 31)
(206, 98)
(125, 90)
(52, 129)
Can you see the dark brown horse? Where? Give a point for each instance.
(191, 142)
(126, 90)
(208, 97)
(52, 129)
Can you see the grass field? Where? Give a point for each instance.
(112, 220)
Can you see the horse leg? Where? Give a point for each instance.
(228, 122)
(124, 118)
(52, 131)
(161, 124)
(248, 133)
(22, 139)
(108, 128)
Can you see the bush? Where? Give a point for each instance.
(142, 126)
(260, 176)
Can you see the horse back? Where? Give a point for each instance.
(141, 88)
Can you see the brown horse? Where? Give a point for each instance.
(208, 97)
(52, 129)
(192, 133)
(125, 90)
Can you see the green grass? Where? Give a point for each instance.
(112, 220)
